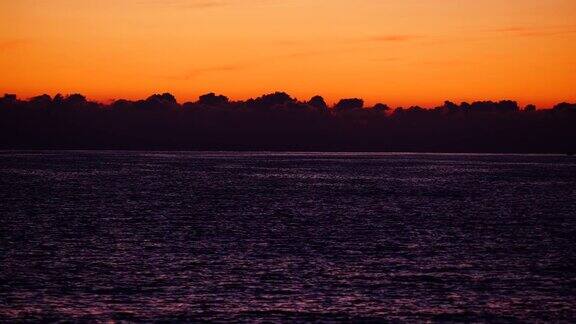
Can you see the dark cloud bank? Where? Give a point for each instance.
(279, 122)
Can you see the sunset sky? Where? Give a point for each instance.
(401, 52)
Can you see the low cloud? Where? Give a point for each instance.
(193, 4)
(524, 31)
(395, 38)
(195, 72)
(10, 44)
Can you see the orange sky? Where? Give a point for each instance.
(400, 52)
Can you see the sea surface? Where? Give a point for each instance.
(256, 237)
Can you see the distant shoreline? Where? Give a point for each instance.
(278, 122)
(272, 152)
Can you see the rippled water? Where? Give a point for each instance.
(273, 236)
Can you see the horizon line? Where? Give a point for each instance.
(332, 104)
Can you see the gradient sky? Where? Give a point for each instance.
(400, 52)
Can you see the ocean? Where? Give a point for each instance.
(286, 237)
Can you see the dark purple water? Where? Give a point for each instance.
(297, 237)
